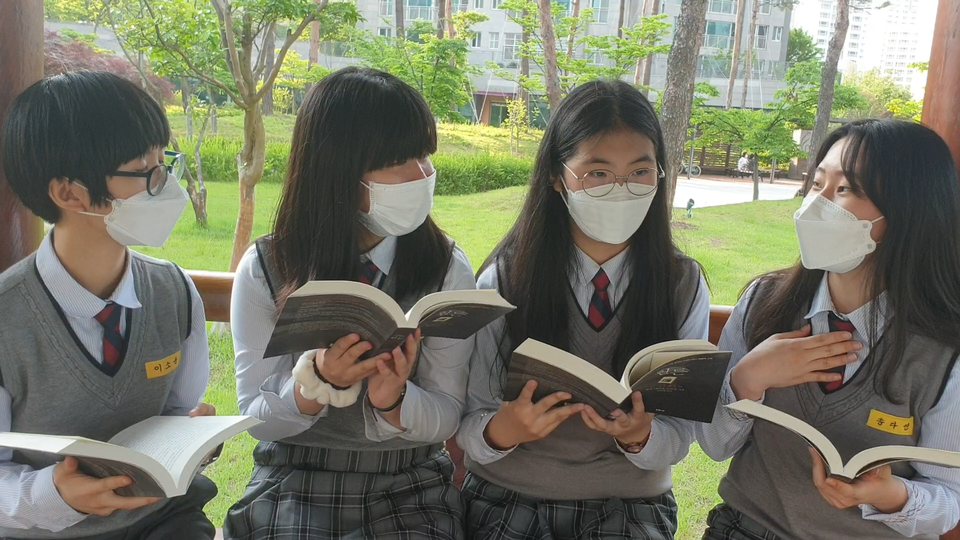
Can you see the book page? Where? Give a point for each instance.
(813, 437)
(658, 354)
(179, 443)
(457, 314)
(316, 322)
(144, 485)
(872, 458)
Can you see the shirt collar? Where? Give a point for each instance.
(587, 268)
(860, 317)
(382, 254)
(72, 298)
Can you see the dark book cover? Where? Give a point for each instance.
(459, 321)
(688, 387)
(316, 322)
(552, 379)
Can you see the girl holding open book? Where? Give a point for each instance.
(352, 447)
(592, 268)
(859, 340)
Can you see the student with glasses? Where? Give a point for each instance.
(84, 317)
(592, 268)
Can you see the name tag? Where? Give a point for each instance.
(889, 423)
(160, 368)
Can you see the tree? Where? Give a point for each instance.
(801, 47)
(751, 43)
(906, 109)
(217, 44)
(437, 67)
(879, 89)
(828, 79)
(798, 99)
(551, 75)
(735, 59)
(68, 10)
(269, 44)
(679, 90)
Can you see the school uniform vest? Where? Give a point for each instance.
(342, 428)
(57, 388)
(769, 479)
(575, 462)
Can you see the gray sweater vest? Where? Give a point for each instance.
(769, 478)
(58, 389)
(575, 462)
(341, 429)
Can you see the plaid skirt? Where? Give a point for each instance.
(494, 513)
(725, 523)
(306, 492)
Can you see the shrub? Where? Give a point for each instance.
(458, 173)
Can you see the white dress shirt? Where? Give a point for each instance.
(28, 497)
(933, 506)
(431, 409)
(670, 438)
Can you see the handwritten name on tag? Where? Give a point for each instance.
(889, 423)
(162, 367)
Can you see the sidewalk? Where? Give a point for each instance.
(716, 191)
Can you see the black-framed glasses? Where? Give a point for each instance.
(172, 168)
(600, 182)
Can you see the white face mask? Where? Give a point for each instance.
(398, 209)
(612, 218)
(142, 220)
(831, 237)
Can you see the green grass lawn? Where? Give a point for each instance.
(734, 243)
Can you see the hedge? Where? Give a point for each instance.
(457, 173)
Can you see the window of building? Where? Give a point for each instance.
(719, 35)
(477, 4)
(384, 31)
(386, 8)
(477, 40)
(601, 10)
(495, 3)
(511, 46)
(777, 34)
(824, 24)
(461, 6)
(760, 38)
(727, 7)
(764, 7)
(494, 40)
(822, 33)
(419, 9)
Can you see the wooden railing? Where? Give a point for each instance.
(215, 289)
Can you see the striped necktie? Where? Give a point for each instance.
(836, 324)
(600, 311)
(368, 273)
(109, 319)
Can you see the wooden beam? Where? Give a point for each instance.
(941, 102)
(21, 64)
(215, 289)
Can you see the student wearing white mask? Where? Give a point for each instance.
(865, 328)
(365, 457)
(592, 268)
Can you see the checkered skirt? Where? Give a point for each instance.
(307, 492)
(496, 513)
(725, 523)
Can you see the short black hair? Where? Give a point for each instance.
(80, 126)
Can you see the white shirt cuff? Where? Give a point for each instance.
(484, 452)
(47, 498)
(283, 406)
(906, 514)
(377, 428)
(727, 397)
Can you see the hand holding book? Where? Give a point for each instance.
(632, 430)
(523, 420)
(878, 488)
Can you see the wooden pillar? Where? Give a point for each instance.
(21, 64)
(941, 102)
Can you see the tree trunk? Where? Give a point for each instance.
(213, 111)
(623, 5)
(678, 92)
(773, 170)
(575, 6)
(269, 48)
(525, 69)
(250, 162)
(756, 179)
(398, 15)
(441, 15)
(735, 60)
(828, 81)
(648, 69)
(748, 68)
(450, 30)
(638, 72)
(196, 188)
(551, 76)
(186, 92)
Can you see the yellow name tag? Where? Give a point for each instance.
(889, 423)
(159, 368)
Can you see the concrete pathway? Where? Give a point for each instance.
(707, 192)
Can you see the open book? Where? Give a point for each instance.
(161, 454)
(859, 464)
(679, 378)
(321, 312)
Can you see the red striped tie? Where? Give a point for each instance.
(600, 311)
(836, 324)
(368, 273)
(109, 319)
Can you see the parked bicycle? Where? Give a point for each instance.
(694, 170)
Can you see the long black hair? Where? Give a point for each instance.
(353, 121)
(535, 258)
(906, 170)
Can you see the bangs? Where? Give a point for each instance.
(858, 167)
